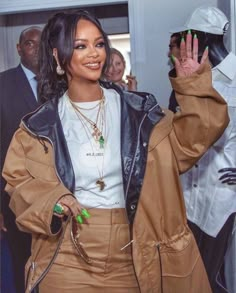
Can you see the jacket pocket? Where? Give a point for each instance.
(179, 259)
(182, 268)
(40, 170)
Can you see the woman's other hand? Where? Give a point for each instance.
(188, 61)
(229, 176)
(132, 82)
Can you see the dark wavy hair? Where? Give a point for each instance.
(59, 33)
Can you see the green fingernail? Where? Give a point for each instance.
(189, 31)
(172, 57)
(195, 36)
(85, 213)
(182, 39)
(206, 48)
(79, 219)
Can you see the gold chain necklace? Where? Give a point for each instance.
(97, 133)
(88, 109)
(101, 113)
(100, 181)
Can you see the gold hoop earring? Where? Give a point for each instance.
(59, 70)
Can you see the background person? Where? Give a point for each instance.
(174, 45)
(174, 50)
(96, 170)
(210, 205)
(228, 176)
(116, 69)
(18, 96)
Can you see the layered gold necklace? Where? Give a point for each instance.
(96, 130)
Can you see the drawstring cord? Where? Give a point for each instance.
(126, 245)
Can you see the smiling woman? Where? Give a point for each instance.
(87, 61)
(116, 69)
(89, 166)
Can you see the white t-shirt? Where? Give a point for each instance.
(90, 161)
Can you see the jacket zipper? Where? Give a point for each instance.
(52, 259)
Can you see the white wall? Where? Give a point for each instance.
(12, 6)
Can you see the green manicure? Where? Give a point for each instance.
(189, 31)
(79, 219)
(85, 213)
(195, 36)
(172, 57)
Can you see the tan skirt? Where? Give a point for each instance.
(103, 238)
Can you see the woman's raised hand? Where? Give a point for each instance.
(188, 61)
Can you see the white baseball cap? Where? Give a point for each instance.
(206, 19)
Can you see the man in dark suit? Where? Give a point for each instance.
(18, 96)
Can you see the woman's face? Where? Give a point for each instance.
(89, 53)
(116, 69)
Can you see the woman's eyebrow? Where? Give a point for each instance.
(85, 40)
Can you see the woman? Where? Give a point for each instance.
(93, 174)
(116, 69)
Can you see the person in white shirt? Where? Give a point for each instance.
(211, 205)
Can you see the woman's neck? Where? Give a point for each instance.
(85, 92)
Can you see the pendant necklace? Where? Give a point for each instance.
(100, 181)
(96, 133)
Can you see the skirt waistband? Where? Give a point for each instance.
(107, 216)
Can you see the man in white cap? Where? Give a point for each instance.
(211, 205)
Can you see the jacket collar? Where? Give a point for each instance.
(42, 120)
